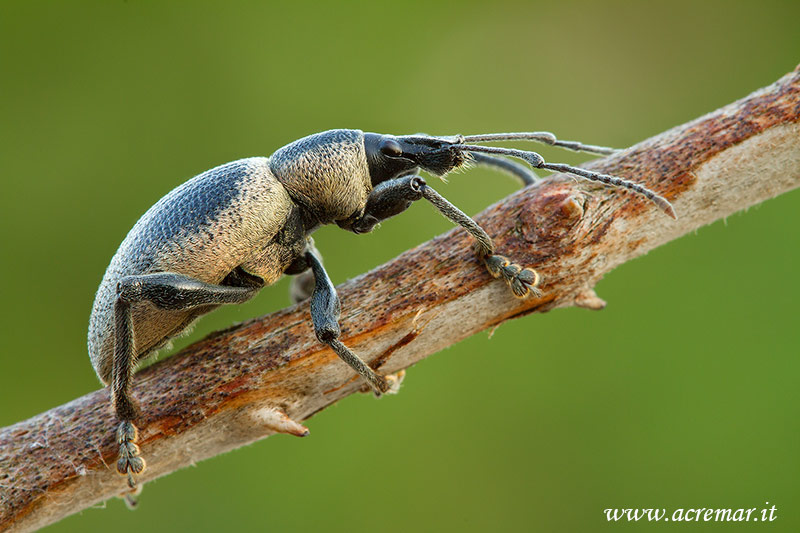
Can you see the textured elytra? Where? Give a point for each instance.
(242, 215)
(204, 228)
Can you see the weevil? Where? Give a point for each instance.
(222, 236)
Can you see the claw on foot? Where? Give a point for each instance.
(131, 498)
(131, 502)
(522, 281)
(392, 381)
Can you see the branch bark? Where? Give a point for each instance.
(235, 386)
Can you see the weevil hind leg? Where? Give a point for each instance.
(167, 291)
(521, 280)
(129, 462)
(301, 287)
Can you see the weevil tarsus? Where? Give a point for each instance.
(522, 281)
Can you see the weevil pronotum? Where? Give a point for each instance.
(222, 236)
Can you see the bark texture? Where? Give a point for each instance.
(247, 382)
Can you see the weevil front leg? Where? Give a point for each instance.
(386, 200)
(393, 196)
(522, 281)
(167, 291)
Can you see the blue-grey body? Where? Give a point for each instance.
(223, 235)
(242, 214)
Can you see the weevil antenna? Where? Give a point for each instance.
(525, 175)
(537, 161)
(544, 137)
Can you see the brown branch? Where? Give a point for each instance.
(232, 388)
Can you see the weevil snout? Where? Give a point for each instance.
(390, 157)
(435, 155)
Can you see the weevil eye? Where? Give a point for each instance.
(390, 147)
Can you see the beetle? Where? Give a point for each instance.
(222, 236)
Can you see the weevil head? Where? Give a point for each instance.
(390, 157)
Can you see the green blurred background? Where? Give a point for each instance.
(682, 393)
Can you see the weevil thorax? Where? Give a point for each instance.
(326, 174)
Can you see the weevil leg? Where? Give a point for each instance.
(302, 285)
(325, 310)
(166, 291)
(129, 461)
(386, 200)
(396, 195)
(523, 173)
(522, 281)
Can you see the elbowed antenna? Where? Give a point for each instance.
(537, 161)
(544, 137)
(525, 175)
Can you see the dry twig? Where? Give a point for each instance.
(237, 385)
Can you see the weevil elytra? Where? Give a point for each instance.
(222, 236)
